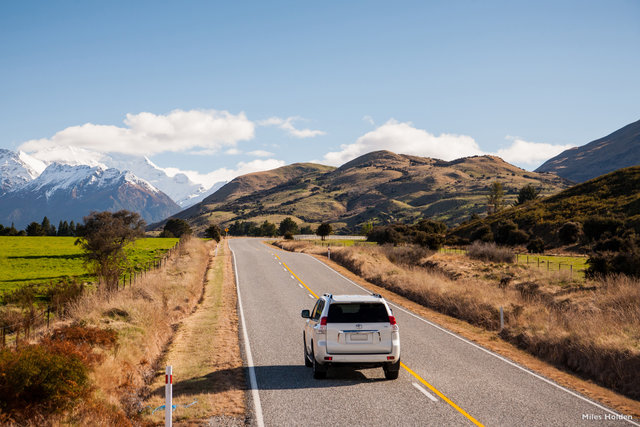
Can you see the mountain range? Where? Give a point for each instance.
(381, 186)
(66, 192)
(618, 150)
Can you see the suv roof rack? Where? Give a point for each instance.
(330, 296)
(376, 295)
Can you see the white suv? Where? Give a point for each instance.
(358, 331)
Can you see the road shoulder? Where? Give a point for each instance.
(209, 383)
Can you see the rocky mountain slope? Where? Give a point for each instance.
(618, 150)
(16, 169)
(380, 185)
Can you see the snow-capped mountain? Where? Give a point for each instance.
(16, 169)
(178, 186)
(66, 192)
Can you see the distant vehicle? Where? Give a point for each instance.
(356, 331)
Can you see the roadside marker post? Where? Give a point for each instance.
(328, 252)
(168, 394)
(501, 319)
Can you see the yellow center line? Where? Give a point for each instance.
(418, 377)
(442, 396)
(294, 275)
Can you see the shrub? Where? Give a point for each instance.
(41, 378)
(595, 227)
(385, 235)
(431, 227)
(176, 227)
(615, 256)
(482, 233)
(517, 237)
(569, 232)
(432, 241)
(536, 246)
(490, 252)
(502, 230)
(213, 232)
(406, 255)
(288, 235)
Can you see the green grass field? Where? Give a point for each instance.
(340, 242)
(42, 260)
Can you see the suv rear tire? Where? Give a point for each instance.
(307, 362)
(319, 371)
(392, 370)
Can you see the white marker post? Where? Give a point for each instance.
(168, 394)
(501, 319)
(328, 252)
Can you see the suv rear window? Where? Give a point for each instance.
(357, 313)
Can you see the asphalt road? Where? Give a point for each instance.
(455, 383)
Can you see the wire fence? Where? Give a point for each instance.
(38, 320)
(543, 262)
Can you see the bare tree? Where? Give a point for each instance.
(104, 237)
(495, 199)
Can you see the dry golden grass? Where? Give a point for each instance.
(205, 355)
(591, 328)
(144, 318)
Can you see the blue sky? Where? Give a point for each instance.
(249, 82)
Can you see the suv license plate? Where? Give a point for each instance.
(359, 337)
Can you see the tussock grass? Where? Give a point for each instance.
(144, 318)
(490, 252)
(593, 329)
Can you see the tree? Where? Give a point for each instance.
(306, 230)
(47, 228)
(267, 229)
(104, 237)
(177, 227)
(35, 229)
(324, 230)
(213, 232)
(288, 225)
(526, 193)
(366, 228)
(495, 199)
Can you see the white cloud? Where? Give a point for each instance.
(227, 174)
(530, 154)
(260, 153)
(287, 124)
(403, 138)
(147, 134)
(369, 120)
(233, 152)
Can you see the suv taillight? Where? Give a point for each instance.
(392, 322)
(322, 326)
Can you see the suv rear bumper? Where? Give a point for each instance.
(356, 359)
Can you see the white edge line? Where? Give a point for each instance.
(252, 371)
(311, 296)
(572, 393)
(425, 392)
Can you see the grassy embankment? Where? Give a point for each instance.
(42, 260)
(590, 328)
(205, 355)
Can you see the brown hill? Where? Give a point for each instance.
(377, 186)
(618, 150)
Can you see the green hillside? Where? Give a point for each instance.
(613, 198)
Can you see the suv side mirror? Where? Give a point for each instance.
(305, 314)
